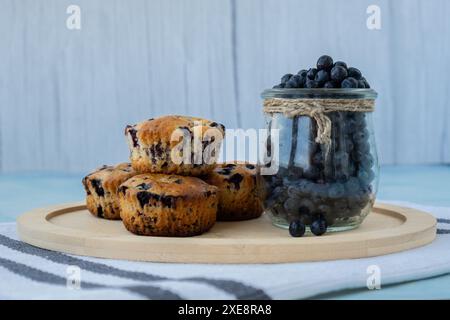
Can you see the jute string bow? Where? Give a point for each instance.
(317, 109)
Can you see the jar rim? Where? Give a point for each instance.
(320, 93)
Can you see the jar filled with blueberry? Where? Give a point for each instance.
(325, 159)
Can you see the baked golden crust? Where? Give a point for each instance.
(155, 145)
(167, 205)
(101, 189)
(240, 197)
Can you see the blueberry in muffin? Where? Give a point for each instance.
(101, 189)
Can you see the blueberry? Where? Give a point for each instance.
(366, 176)
(319, 226)
(229, 165)
(286, 78)
(311, 84)
(317, 159)
(236, 180)
(323, 209)
(340, 64)
(100, 212)
(294, 173)
(342, 176)
(336, 190)
(329, 85)
(303, 185)
(359, 116)
(341, 207)
(97, 185)
(325, 63)
(290, 84)
(351, 125)
(338, 116)
(367, 161)
(361, 84)
(361, 136)
(122, 189)
(279, 86)
(366, 84)
(352, 185)
(311, 74)
(302, 73)
(306, 207)
(319, 193)
(363, 198)
(143, 198)
(133, 133)
(294, 192)
(291, 205)
(341, 157)
(351, 168)
(338, 73)
(143, 186)
(349, 83)
(354, 124)
(301, 80)
(322, 77)
(354, 73)
(297, 228)
(224, 171)
(357, 155)
(349, 145)
(295, 82)
(278, 192)
(312, 173)
(363, 147)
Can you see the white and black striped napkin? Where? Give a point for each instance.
(27, 272)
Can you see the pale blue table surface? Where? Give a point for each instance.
(429, 185)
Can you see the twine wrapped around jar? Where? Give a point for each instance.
(317, 109)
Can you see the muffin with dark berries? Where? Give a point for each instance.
(240, 196)
(175, 145)
(167, 205)
(101, 189)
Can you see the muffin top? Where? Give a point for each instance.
(162, 128)
(108, 177)
(167, 186)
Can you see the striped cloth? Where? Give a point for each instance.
(27, 272)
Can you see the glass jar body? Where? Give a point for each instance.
(337, 181)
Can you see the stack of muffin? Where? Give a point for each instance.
(156, 196)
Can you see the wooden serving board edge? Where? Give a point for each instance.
(410, 235)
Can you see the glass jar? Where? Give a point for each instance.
(334, 178)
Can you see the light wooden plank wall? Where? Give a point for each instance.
(65, 96)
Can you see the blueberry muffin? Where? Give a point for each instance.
(167, 205)
(101, 189)
(239, 195)
(167, 145)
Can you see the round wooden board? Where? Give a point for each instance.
(70, 228)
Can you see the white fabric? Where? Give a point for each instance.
(31, 273)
